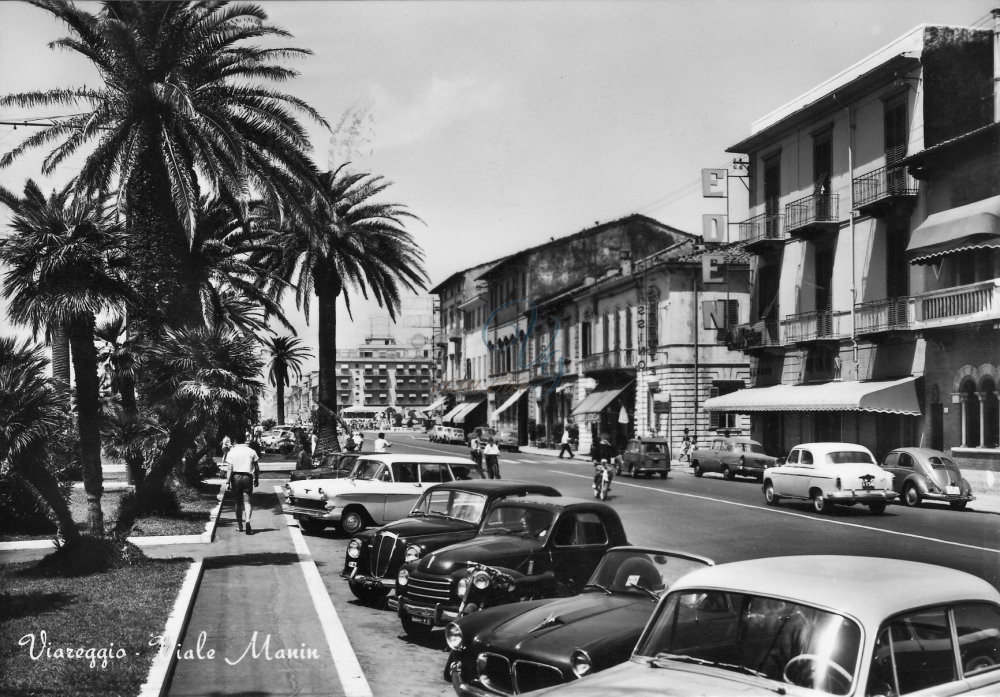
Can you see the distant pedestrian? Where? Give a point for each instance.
(381, 444)
(227, 443)
(313, 442)
(492, 455)
(243, 476)
(476, 450)
(566, 446)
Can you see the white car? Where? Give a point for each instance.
(828, 474)
(381, 488)
(811, 625)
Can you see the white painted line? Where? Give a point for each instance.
(346, 662)
(27, 544)
(158, 678)
(777, 511)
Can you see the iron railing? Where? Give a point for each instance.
(761, 334)
(813, 326)
(609, 360)
(882, 315)
(812, 209)
(766, 227)
(970, 303)
(881, 184)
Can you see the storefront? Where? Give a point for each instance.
(608, 410)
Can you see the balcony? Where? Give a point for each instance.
(977, 302)
(440, 338)
(762, 232)
(812, 215)
(888, 191)
(882, 316)
(756, 335)
(813, 326)
(620, 359)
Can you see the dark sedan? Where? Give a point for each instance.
(445, 514)
(332, 466)
(920, 474)
(531, 645)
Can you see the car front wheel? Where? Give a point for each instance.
(696, 469)
(770, 497)
(727, 473)
(820, 503)
(878, 508)
(352, 522)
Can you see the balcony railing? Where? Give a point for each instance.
(977, 302)
(877, 316)
(763, 230)
(813, 326)
(609, 360)
(746, 337)
(814, 213)
(882, 189)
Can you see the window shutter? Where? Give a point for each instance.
(713, 416)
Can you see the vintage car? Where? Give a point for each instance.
(444, 514)
(828, 474)
(535, 547)
(541, 643)
(645, 456)
(331, 466)
(812, 625)
(483, 433)
(280, 440)
(381, 488)
(452, 434)
(507, 440)
(731, 456)
(922, 473)
(436, 433)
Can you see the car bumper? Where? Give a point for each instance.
(437, 616)
(862, 496)
(464, 689)
(932, 496)
(300, 512)
(368, 581)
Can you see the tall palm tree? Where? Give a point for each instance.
(183, 104)
(359, 244)
(31, 414)
(65, 266)
(120, 354)
(287, 354)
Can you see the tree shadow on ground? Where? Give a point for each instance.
(252, 559)
(17, 605)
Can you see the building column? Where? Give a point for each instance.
(996, 394)
(982, 418)
(965, 420)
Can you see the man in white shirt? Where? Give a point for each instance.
(565, 444)
(243, 476)
(492, 455)
(381, 444)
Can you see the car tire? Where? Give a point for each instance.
(312, 527)
(877, 508)
(911, 495)
(958, 505)
(727, 474)
(618, 470)
(369, 596)
(352, 522)
(663, 475)
(770, 497)
(820, 503)
(696, 469)
(414, 629)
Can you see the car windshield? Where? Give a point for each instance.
(777, 639)
(366, 469)
(753, 448)
(639, 571)
(517, 520)
(460, 505)
(654, 447)
(842, 457)
(939, 462)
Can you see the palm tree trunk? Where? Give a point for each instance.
(130, 407)
(88, 409)
(279, 396)
(41, 480)
(326, 430)
(60, 357)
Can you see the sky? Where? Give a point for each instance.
(505, 124)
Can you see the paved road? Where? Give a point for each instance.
(723, 520)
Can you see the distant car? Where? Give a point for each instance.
(436, 433)
(828, 474)
(381, 488)
(646, 456)
(483, 433)
(280, 440)
(731, 456)
(812, 625)
(922, 473)
(541, 643)
(452, 434)
(507, 440)
(332, 466)
(444, 514)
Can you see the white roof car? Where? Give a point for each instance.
(811, 625)
(381, 488)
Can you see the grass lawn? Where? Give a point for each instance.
(124, 606)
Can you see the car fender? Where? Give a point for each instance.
(918, 481)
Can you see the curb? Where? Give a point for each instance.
(160, 673)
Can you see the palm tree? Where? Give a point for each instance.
(31, 414)
(183, 104)
(64, 267)
(362, 245)
(287, 354)
(120, 355)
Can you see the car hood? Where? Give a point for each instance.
(495, 550)
(331, 487)
(421, 528)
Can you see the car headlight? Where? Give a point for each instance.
(453, 637)
(412, 553)
(580, 663)
(463, 586)
(403, 577)
(354, 548)
(481, 580)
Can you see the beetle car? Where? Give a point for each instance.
(646, 456)
(381, 488)
(541, 643)
(922, 473)
(444, 514)
(332, 466)
(535, 547)
(814, 625)
(731, 456)
(828, 474)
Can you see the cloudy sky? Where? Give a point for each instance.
(503, 124)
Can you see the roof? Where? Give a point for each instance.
(733, 253)
(429, 459)
(556, 501)
(494, 486)
(437, 289)
(923, 156)
(830, 445)
(884, 397)
(849, 584)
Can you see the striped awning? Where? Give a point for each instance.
(972, 226)
(510, 402)
(597, 401)
(886, 397)
(437, 403)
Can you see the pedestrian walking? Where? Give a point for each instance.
(381, 444)
(476, 450)
(566, 446)
(492, 455)
(244, 475)
(313, 441)
(227, 443)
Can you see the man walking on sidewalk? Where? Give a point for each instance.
(565, 442)
(244, 475)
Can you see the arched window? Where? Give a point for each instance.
(970, 414)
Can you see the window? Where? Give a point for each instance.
(905, 460)
(921, 650)
(434, 473)
(405, 472)
(805, 457)
(585, 337)
(978, 638)
(580, 530)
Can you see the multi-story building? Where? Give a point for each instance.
(875, 234)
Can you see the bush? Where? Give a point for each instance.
(90, 555)
(21, 511)
(163, 502)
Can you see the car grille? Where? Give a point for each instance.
(387, 554)
(307, 503)
(529, 676)
(494, 673)
(428, 591)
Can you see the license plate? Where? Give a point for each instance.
(420, 620)
(867, 485)
(951, 490)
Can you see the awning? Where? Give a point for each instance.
(437, 403)
(454, 410)
(595, 402)
(972, 226)
(467, 408)
(886, 397)
(510, 402)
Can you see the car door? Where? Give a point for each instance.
(631, 456)
(402, 491)
(782, 477)
(891, 463)
(579, 540)
(714, 458)
(727, 454)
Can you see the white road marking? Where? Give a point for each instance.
(348, 669)
(778, 511)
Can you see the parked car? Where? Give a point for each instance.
(507, 440)
(436, 433)
(381, 488)
(452, 434)
(444, 514)
(280, 440)
(541, 643)
(922, 473)
(536, 547)
(646, 456)
(828, 474)
(483, 433)
(811, 625)
(332, 466)
(731, 456)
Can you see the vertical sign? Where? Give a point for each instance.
(711, 268)
(713, 228)
(713, 183)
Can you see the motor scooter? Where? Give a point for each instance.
(602, 480)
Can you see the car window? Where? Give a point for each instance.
(890, 460)
(841, 457)
(977, 626)
(806, 457)
(464, 472)
(905, 460)
(579, 530)
(434, 473)
(922, 652)
(940, 462)
(461, 505)
(654, 448)
(793, 457)
(716, 445)
(631, 571)
(405, 472)
(518, 520)
(753, 448)
(367, 469)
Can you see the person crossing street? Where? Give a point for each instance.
(566, 444)
(492, 455)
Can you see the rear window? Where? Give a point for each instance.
(840, 457)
